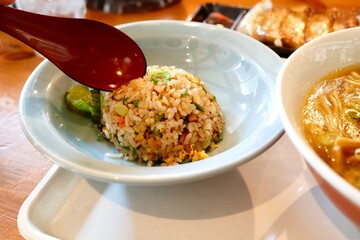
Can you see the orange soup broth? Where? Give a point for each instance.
(326, 116)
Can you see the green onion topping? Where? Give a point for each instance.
(198, 107)
(204, 89)
(161, 76)
(159, 117)
(125, 100)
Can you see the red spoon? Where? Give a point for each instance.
(92, 53)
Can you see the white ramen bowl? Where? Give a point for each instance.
(240, 71)
(299, 73)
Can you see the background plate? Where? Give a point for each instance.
(257, 200)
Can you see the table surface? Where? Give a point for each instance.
(21, 166)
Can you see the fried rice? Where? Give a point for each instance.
(166, 117)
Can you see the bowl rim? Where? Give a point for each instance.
(300, 143)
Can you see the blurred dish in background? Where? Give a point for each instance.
(282, 29)
(290, 29)
(126, 6)
(60, 8)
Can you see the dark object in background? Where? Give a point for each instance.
(128, 6)
(218, 14)
(217, 18)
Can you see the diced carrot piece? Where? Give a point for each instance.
(192, 117)
(121, 121)
(154, 143)
(183, 136)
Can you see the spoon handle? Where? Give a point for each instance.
(90, 52)
(19, 24)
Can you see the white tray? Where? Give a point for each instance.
(271, 197)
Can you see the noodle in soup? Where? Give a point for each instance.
(331, 121)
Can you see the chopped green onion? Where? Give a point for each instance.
(204, 89)
(121, 109)
(159, 117)
(125, 100)
(99, 137)
(184, 93)
(157, 132)
(134, 151)
(162, 76)
(159, 160)
(186, 160)
(206, 143)
(354, 114)
(136, 131)
(136, 103)
(126, 148)
(198, 107)
(221, 137)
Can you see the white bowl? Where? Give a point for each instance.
(239, 70)
(298, 74)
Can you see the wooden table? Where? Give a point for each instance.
(21, 166)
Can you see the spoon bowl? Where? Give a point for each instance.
(90, 52)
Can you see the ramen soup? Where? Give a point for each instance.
(331, 121)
